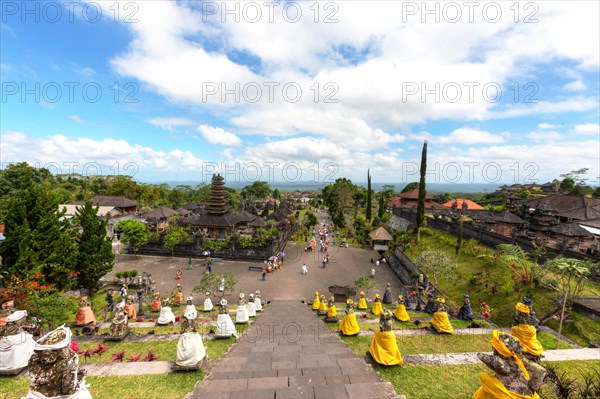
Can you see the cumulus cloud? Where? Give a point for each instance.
(547, 126)
(216, 135)
(170, 123)
(586, 128)
(576, 85)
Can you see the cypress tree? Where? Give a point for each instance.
(421, 204)
(369, 217)
(95, 257)
(381, 211)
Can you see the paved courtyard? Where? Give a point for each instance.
(346, 265)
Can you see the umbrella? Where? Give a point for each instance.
(281, 254)
(273, 258)
(206, 253)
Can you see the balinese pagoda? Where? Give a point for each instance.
(217, 220)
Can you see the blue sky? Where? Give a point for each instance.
(141, 90)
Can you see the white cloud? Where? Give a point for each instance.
(546, 126)
(216, 135)
(170, 123)
(576, 104)
(471, 136)
(57, 152)
(576, 85)
(75, 118)
(544, 136)
(586, 128)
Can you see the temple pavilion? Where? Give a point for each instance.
(217, 220)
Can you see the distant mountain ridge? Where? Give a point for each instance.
(312, 186)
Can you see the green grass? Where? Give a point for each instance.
(548, 341)
(409, 325)
(169, 386)
(582, 330)
(205, 328)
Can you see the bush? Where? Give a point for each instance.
(127, 276)
(213, 245)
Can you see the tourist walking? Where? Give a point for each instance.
(304, 269)
(264, 275)
(372, 272)
(110, 300)
(190, 264)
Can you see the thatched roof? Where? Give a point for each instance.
(380, 234)
(162, 212)
(504, 217)
(570, 230)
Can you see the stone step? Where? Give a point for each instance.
(369, 390)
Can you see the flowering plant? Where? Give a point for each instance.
(486, 311)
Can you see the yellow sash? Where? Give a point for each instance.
(377, 308)
(527, 335)
(384, 349)
(441, 322)
(362, 303)
(316, 304)
(332, 311)
(492, 388)
(401, 313)
(349, 326)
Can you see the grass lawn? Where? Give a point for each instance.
(477, 274)
(582, 329)
(205, 328)
(162, 386)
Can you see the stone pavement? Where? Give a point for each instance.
(288, 353)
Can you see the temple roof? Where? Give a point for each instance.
(380, 234)
(471, 206)
(162, 212)
(504, 217)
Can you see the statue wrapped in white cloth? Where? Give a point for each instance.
(251, 306)
(166, 314)
(257, 301)
(54, 369)
(16, 344)
(241, 316)
(225, 326)
(208, 305)
(190, 348)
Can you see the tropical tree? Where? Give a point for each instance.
(212, 281)
(369, 200)
(133, 233)
(520, 262)
(94, 256)
(436, 265)
(420, 218)
(257, 190)
(174, 237)
(571, 274)
(364, 283)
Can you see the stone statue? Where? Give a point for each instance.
(190, 348)
(400, 312)
(529, 303)
(257, 301)
(384, 348)
(377, 308)
(515, 374)
(349, 326)
(331, 312)
(387, 295)
(178, 298)
(316, 304)
(225, 326)
(16, 343)
(431, 306)
(322, 306)
(54, 368)
(524, 330)
(5, 310)
(130, 308)
(189, 322)
(465, 312)
(440, 321)
(156, 303)
(208, 305)
(362, 301)
(119, 326)
(251, 306)
(420, 291)
(85, 314)
(166, 314)
(241, 316)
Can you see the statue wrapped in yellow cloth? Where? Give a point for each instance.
(316, 303)
(377, 306)
(440, 321)
(384, 348)
(524, 330)
(400, 311)
(331, 312)
(322, 306)
(516, 377)
(362, 302)
(349, 326)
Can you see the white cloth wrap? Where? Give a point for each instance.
(208, 305)
(190, 349)
(15, 351)
(241, 316)
(81, 393)
(251, 309)
(166, 316)
(58, 345)
(15, 316)
(225, 326)
(190, 312)
(257, 304)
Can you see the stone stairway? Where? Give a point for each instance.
(289, 353)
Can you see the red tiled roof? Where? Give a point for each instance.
(1, 228)
(471, 206)
(414, 194)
